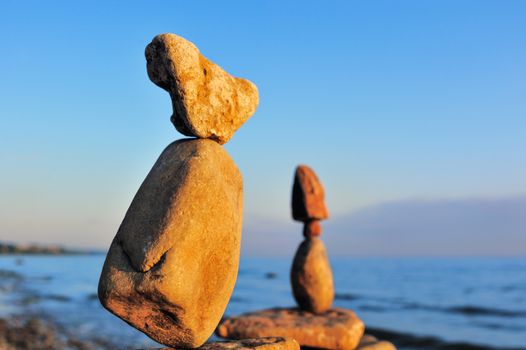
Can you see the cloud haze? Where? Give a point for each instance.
(452, 227)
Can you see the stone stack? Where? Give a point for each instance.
(311, 274)
(314, 324)
(172, 266)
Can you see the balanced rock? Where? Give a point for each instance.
(311, 277)
(172, 266)
(271, 343)
(334, 329)
(207, 101)
(308, 196)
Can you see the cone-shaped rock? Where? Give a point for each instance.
(311, 277)
(308, 196)
(207, 101)
(173, 264)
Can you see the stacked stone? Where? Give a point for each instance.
(311, 274)
(313, 324)
(172, 266)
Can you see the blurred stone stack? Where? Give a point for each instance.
(311, 274)
(315, 324)
(172, 266)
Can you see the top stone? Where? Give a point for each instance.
(308, 196)
(207, 102)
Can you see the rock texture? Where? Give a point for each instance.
(271, 343)
(334, 329)
(207, 101)
(308, 196)
(173, 264)
(311, 277)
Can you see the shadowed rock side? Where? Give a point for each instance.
(334, 329)
(173, 264)
(311, 277)
(207, 101)
(271, 343)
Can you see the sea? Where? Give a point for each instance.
(417, 303)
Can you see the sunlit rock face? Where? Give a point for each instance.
(333, 329)
(207, 101)
(172, 266)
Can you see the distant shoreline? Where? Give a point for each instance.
(34, 249)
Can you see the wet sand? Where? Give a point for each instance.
(20, 332)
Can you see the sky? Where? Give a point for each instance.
(391, 102)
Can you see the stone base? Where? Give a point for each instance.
(270, 343)
(337, 328)
(368, 342)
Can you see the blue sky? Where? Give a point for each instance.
(387, 100)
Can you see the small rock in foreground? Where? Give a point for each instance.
(334, 329)
(271, 343)
(207, 101)
(369, 342)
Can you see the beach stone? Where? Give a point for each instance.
(270, 343)
(207, 101)
(378, 345)
(311, 277)
(312, 228)
(172, 266)
(367, 339)
(369, 342)
(334, 329)
(308, 196)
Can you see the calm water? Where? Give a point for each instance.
(477, 301)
